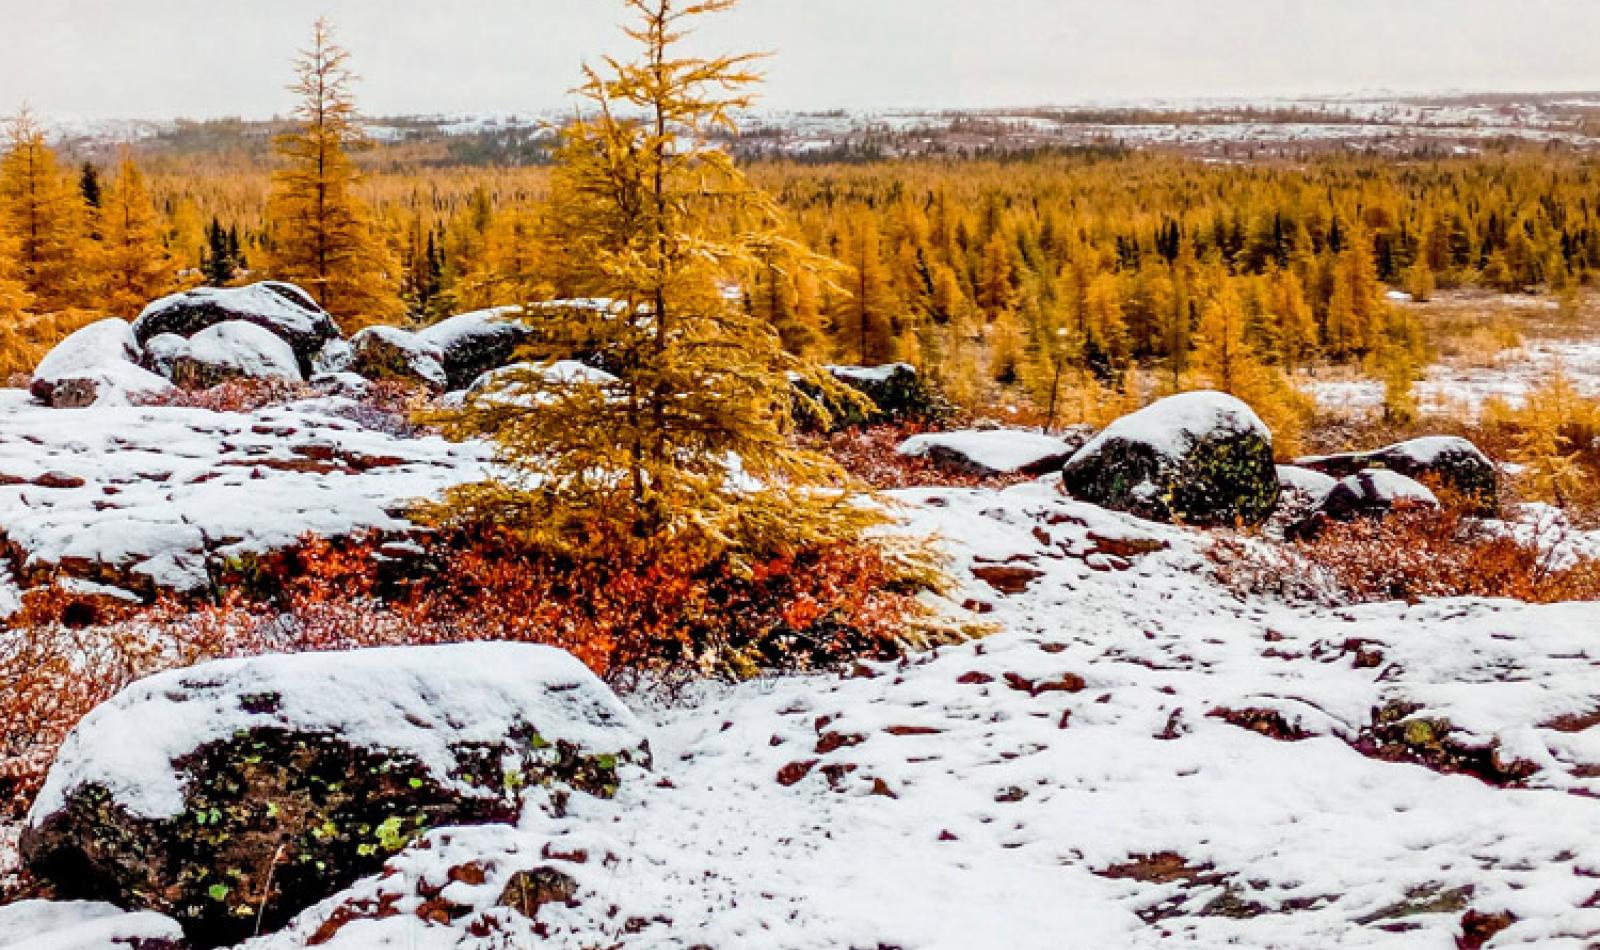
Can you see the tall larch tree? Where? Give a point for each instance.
(322, 236)
(134, 265)
(688, 451)
(41, 213)
(863, 314)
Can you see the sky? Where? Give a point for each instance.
(105, 59)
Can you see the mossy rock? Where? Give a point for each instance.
(393, 354)
(259, 819)
(1198, 458)
(893, 393)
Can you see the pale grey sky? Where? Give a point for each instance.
(163, 58)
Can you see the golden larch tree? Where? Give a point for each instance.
(321, 234)
(687, 452)
(134, 266)
(41, 215)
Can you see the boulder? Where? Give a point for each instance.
(514, 385)
(336, 356)
(1312, 485)
(1375, 492)
(474, 343)
(990, 451)
(896, 393)
(84, 925)
(1452, 461)
(247, 790)
(283, 309)
(1201, 458)
(162, 351)
(98, 365)
(233, 350)
(393, 353)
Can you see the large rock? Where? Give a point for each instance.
(84, 925)
(284, 309)
(1451, 461)
(895, 392)
(246, 790)
(474, 343)
(532, 384)
(233, 350)
(393, 353)
(1201, 458)
(1375, 492)
(161, 352)
(989, 452)
(96, 365)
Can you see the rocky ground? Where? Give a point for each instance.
(1133, 754)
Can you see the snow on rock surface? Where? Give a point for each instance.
(1135, 759)
(194, 791)
(1375, 491)
(1451, 460)
(1308, 482)
(231, 350)
(147, 497)
(392, 353)
(476, 342)
(430, 702)
(989, 451)
(83, 925)
(283, 309)
(513, 385)
(1198, 457)
(96, 365)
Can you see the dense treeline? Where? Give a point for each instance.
(1024, 274)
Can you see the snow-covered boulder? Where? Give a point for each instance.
(474, 343)
(96, 365)
(84, 925)
(1375, 492)
(233, 350)
(523, 384)
(336, 356)
(1201, 458)
(895, 392)
(393, 353)
(283, 309)
(209, 792)
(989, 451)
(1452, 461)
(161, 352)
(1313, 485)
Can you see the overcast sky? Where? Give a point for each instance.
(164, 58)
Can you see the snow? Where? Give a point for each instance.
(998, 450)
(422, 357)
(1386, 485)
(167, 490)
(1007, 800)
(88, 349)
(282, 305)
(454, 331)
(104, 355)
(1173, 425)
(1314, 484)
(508, 386)
(79, 925)
(423, 701)
(246, 349)
(871, 374)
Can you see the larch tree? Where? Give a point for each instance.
(41, 213)
(687, 453)
(321, 233)
(134, 265)
(863, 314)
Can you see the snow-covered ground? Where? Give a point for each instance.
(1456, 385)
(150, 496)
(1070, 781)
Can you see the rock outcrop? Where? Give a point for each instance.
(244, 791)
(990, 452)
(282, 309)
(393, 353)
(475, 343)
